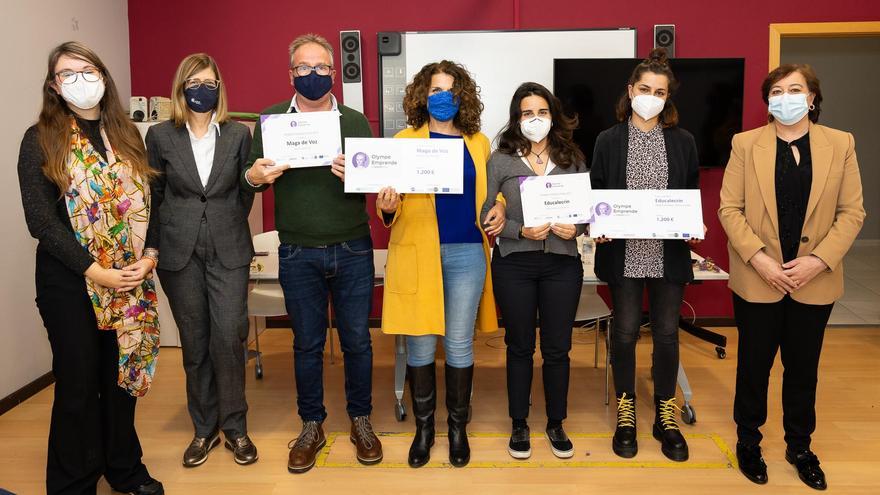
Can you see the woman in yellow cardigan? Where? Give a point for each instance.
(437, 280)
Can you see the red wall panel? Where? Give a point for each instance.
(249, 41)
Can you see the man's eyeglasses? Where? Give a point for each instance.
(304, 70)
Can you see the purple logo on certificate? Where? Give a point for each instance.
(603, 209)
(293, 123)
(360, 160)
(548, 185)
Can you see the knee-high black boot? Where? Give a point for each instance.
(423, 389)
(459, 383)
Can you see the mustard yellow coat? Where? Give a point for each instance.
(413, 299)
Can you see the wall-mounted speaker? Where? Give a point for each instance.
(352, 69)
(664, 37)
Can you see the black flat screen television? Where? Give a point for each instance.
(709, 99)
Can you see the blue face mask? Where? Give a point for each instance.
(443, 106)
(312, 86)
(201, 99)
(788, 108)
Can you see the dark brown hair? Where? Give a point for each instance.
(786, 70)
(657, 62)
(53, 125)
(563, 150)
(415, 102)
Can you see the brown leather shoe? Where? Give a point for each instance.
(243, 449)
(369, 449)
(197, 452)
(304, 449)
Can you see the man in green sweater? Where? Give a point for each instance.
(325, 253)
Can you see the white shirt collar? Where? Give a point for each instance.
(213, 125)
(334, 106)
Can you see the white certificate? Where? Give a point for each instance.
(563, 198)
(407, 165)
(296, 140)
(647, 214)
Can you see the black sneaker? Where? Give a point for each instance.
(520, 446)
(197, 452)
(559, 442)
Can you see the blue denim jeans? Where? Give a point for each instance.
(309, 277)
(464, 274)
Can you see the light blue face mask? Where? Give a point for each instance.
(788, 108)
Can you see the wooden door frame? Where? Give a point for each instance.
(816, 30)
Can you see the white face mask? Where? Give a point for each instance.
(788, 108)
(83, 94)
(536, 128)
(648, 106)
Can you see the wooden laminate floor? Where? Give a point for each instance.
(847, 440)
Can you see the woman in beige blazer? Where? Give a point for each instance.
(791, 204)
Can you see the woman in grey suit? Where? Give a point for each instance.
(199, 225)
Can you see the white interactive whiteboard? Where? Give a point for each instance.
(498, 60)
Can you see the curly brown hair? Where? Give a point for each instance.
(415, 102)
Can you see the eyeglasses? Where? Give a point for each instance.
(89, 74)
(211, 84)
(304, 70)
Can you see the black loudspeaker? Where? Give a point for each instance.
(664, 37)
(350, 56)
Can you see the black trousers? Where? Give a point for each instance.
(797, 330)
(664, 303)
(526, 285)
(92, 430)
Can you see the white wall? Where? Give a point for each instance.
(29, 29)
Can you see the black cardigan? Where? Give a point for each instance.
(609, 172)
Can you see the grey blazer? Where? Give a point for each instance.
(504, 172)
(178, 200)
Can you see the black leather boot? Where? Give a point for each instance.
(459, 382)
(672, 442)
(423, 389)
(624, 442)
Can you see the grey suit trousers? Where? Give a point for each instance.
(209, 304)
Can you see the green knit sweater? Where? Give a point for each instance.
(311, 207)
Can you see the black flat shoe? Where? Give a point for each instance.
(151, 487)
(625, 443)
(808, 469)
(751, 464)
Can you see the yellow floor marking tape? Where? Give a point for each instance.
(322, 460)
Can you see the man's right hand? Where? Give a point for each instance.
(264, 171)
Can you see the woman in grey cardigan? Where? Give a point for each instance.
(536, 270)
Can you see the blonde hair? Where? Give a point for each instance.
(305, 39)
(187, 68)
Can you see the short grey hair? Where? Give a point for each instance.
(305, 39)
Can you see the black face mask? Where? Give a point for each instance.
(201, 99)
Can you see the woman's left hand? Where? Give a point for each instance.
(495, 219)
(564, 230)
(694, 242)
(802, 270)
(139, 270)
(338, 167)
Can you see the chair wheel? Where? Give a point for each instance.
(688, 415)
(399, 411)
(722, 352)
